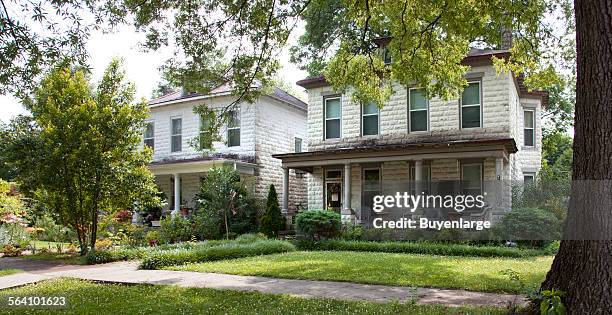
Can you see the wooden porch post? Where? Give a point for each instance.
(285, 207)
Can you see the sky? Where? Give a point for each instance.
(141, 67)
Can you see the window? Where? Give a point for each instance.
(332, 118)
(528, 127)
(387, 55)
(149, 135)
(471, 106)
(471, 178)
(205, 123)
(233, 129)
(298, 145)
(528, 177)
(369, 119)
(177, 137)
(371, 188)
(419, 106)
(425, 181)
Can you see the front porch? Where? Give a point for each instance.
(346, 180)
(180, 180)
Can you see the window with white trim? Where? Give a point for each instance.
(471, 106)
(332, 118)
(233, 129)
(298, 145)
(149, 135)
(205, 123)
(418, 111)
(371, 187)
(529, 177)
(529, 127)
(369, 119)
(176, 137)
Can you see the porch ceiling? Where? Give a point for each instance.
(185, 166)
(463, 149)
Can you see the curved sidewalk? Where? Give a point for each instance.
(127, 272)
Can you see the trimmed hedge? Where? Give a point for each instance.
(160, 259)
(418, 248)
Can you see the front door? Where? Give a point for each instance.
(334, 196)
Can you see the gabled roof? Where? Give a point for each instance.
(475, 57)
(223, 90)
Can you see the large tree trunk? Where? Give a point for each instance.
(583, 266)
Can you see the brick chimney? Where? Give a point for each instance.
(506, 38)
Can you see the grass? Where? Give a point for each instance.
(454, 272)
(84, 297)
(6, 272)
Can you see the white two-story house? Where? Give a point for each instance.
(275, 123)
(492, 132)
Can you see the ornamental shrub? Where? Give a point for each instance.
(272, 221)
(316, 224)
(529, 224)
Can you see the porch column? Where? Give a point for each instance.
(285, 207)
(499, 175)
(499, 168)
(177, 194)
(418, 176)
(346, 202)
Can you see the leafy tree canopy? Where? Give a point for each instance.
(78, 152)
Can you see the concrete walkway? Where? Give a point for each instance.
(127, 272)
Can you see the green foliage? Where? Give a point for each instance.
(10, 200)
(272, 221)
(551, 303)
(224, 206)
(531, 224)
(351, 232)
(557, 156)
(78, 152)
(160, 259)
(51, 231)
(417, 248)
(13, 234)
(175, 229)
(318, 223)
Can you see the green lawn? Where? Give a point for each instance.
(84, 297)
(456, 272)
(6, 272)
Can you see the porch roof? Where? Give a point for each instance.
(397, 152)
(200, 164)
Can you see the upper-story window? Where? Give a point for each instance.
(528, 127)
(471, 105)
(369, 119)
(332, 118)
(298, 145)
(205, 123)
(176, 144)
(233, 129)
(418, 111)
(149, 135)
